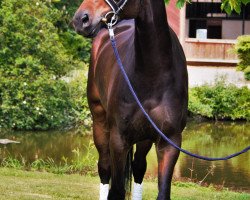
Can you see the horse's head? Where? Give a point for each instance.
(88, 19)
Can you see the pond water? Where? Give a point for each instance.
(209, 139)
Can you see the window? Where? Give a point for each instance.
(208, 16)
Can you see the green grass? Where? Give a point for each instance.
(27, 185)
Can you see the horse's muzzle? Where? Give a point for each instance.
(82, 24)
(85, 25)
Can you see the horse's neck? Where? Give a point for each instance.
(152, 36)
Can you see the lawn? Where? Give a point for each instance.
(27, 185)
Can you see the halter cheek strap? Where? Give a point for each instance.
(116, 6)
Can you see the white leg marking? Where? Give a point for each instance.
(137, 191)
(104, 191)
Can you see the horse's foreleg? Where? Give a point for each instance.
(167, 157)
(118, 153)
(101, 139)
(139, 166)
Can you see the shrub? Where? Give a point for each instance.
(76, 45)
(33, 62)
(243, 50)
(69, 7)
(77, 87)
(220, 101)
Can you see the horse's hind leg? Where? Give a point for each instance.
(101, 139)
(167, 157)
(139, 167)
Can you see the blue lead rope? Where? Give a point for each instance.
(113, 42)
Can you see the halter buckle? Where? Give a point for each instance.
(110, 19)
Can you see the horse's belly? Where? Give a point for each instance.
(132, 121)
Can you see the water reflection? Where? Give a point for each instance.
(214, 140)
(41, 145)
(209, 139)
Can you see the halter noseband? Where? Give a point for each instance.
(116, 6)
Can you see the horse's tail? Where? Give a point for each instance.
(128, 173)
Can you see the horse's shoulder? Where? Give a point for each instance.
(125, 27)
(123, 33)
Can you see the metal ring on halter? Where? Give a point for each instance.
(113, 19)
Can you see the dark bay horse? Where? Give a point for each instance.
(156, 65)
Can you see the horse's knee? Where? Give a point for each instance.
(104, 171)
(104, 168)
(139, 166)
(167, 157)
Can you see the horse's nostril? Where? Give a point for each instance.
(85, 19)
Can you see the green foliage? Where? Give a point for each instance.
(179, 3)
(68, 7)
(36, 54)
(242, 49)
(195, 105)
(12, 163)
(227, 5)
(76, 45)
(49, 165)
(77, 87)
(85, 163)
(230, 5)
(220, 101)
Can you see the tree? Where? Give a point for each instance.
(242, 49)
(33, 62)
(227, 5)
(77, 46)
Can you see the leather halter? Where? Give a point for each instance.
(116, 6)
